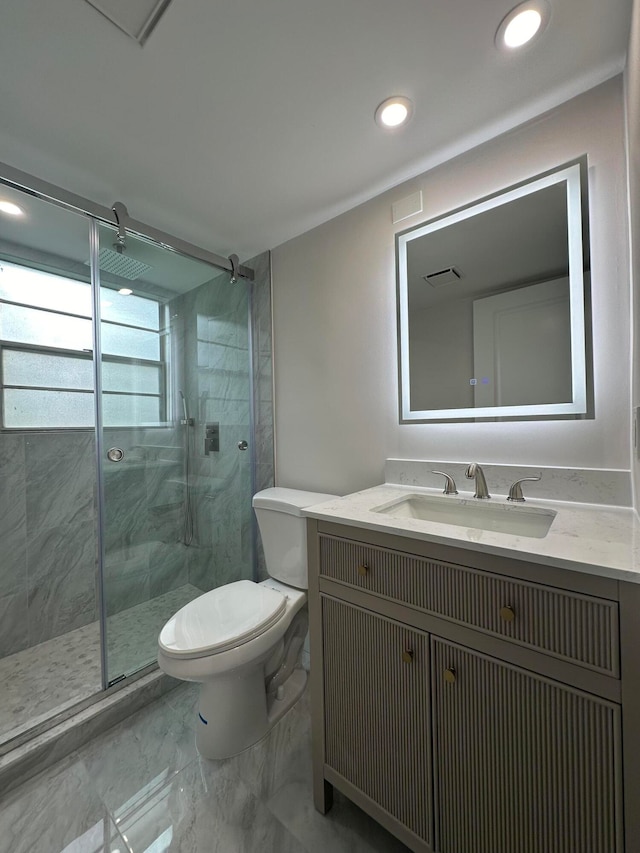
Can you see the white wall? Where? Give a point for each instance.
(335, 318)
(632, 91)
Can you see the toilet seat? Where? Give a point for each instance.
(222, 619)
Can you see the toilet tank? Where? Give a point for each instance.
(283, 530)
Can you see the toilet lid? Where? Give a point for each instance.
(221, 619)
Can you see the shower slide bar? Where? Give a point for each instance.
(118, 216)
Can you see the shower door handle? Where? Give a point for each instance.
(242, 445)
(115, 454)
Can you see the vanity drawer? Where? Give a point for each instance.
(577, 628)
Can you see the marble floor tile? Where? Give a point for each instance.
(344, 829)
(142, 788)
(206, 809)
(58, 811)
(130, 761)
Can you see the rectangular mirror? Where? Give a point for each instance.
(491, 306)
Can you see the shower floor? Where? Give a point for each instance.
(53, 676)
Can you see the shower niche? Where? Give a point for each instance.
(118, 351)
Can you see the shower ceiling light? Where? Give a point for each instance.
(10, 208)
(522, 24)
(125, 291)
(394, 112)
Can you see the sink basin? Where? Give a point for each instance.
(480, 515)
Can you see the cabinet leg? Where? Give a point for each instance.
(322, 795)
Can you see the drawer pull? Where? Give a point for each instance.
(407, 655)
(508, 613)
(450, 675)
(363, 570)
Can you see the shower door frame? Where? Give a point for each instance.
(97, 213)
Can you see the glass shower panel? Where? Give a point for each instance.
(175, 371)
(49, 613)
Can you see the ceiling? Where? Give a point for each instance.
(242, 124)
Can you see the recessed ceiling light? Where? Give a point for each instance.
(10, 208)
(394, 112)
(522, 24)
(125, 291)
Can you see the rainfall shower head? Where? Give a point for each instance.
(120, 264)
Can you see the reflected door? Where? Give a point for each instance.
(175, 404)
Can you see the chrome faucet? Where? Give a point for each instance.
(474, 470)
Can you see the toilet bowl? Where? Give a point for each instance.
(242, 641)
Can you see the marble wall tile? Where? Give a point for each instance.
(13, 514)
(60, 479)
(126, 581)
(168, 567)
(14, 625)
(61, 568)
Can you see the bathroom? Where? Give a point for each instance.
(334, 304)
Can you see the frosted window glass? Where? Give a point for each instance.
(31, 326)
(49, 371)
(130, 377)
(133, 343)
(47, 409)
(134, 310)
(125, 410)
(32, 287)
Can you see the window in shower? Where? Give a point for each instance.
(46, 354)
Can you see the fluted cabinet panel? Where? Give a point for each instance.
(377, 721)
(521, 763)
(579, 628)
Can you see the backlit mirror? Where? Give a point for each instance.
(491, 306)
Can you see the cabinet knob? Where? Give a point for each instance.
(407, 655)
(508, 613)
(450, 675)
(363, 569)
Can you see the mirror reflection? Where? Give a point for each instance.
(491, 306)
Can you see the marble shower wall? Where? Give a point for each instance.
(48, 555)
(211, 352)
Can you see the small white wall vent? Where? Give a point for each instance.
(136, 18)
(442, 277)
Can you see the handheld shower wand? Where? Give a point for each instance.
(187, 528)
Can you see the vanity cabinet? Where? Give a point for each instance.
(469, 703)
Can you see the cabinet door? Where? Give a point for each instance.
(377, 722)
(521, 763)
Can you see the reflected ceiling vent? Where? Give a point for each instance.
(120, 264)
(442, 277)
(136, 18)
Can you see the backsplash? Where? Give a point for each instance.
(583, 485)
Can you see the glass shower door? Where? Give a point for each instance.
(175, 411)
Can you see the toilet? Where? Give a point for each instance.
(242, 641)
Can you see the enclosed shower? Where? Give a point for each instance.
(126, 445)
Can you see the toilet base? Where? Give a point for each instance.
(234, 712)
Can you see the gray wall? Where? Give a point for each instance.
(335, 318)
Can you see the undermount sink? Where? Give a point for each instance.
(481, 515)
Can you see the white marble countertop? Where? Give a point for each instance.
(593, 538)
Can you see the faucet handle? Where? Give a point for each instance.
(449, 483)
(515, 492)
